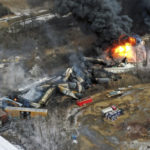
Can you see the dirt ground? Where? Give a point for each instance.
(130, 131)
(26, 6)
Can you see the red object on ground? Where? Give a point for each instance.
(83, 101)
(113, 107)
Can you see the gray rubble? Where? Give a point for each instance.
(73, 82)
(102, 80)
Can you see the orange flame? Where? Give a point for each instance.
(15, 99)
(124, 49)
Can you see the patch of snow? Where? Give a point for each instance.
(6, 145)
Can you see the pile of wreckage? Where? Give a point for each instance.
(28, 100)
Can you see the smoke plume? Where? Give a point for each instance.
(101, 16)
(16, 76)
(146, 12)
(13, 77)
(139, 11)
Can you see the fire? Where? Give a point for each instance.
(124, 48)
(15, 99)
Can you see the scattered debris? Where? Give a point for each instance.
(125, 68)
(115, 93)
(122, 89)
(65, 90)
(102, 80)
(95, 60)
(36, 84)
(67, 74)
(130, 86)
(9, 102)
(2, 66)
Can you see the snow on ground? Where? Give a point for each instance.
(5, 145)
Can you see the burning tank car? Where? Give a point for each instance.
(135, 38)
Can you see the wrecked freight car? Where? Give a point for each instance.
(27, 100)
(21, 112)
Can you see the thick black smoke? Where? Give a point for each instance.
(4, 11)
(139, 11)
(102, 16)
(146, 12)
